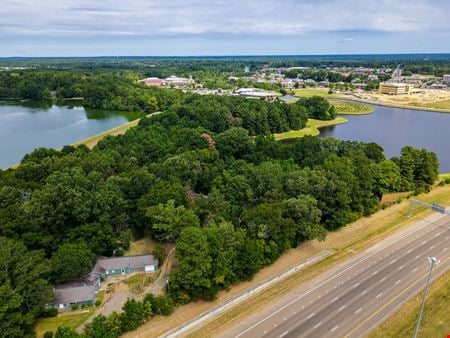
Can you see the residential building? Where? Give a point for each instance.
(324, 83)
(394, 88)
(80, 292)
(83, 291)
(446, 79)
(372, 77)
(125, 265)
(176, 81)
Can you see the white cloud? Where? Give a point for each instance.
(149, 18)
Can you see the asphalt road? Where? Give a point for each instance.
(351, 299)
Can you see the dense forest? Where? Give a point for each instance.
(205, 174)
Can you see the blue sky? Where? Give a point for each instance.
(222, 27)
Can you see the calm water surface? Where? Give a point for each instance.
(394, 128)
(24, 127)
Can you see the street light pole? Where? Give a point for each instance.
(433, 261)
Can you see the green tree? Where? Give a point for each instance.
(167, 220)
(71, 261)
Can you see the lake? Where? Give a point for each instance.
(394, 128)
(29, 125)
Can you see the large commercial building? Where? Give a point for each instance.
(395, 88)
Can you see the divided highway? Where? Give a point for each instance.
(349, 300)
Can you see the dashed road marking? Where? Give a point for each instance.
(397, 282)
(317, 325)
(384, 278)
(312, 314)
(334, 328)
(364, 292)
(283, 334)
(357, 311)
(335, 299)
(342, 308)
(379, 295)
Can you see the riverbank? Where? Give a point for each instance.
(392, 105)
(311, 129)
(93, 140)
(351, 108)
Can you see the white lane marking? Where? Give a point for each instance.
(401, 267)
(445, 249)
(312, 314)
(357, 311)
(417, 257)
(295, 312)
(363, 293)
(284, 319)
(310, 302)
(409, 251)
(334, 328)
(374, 273)
(335, 299)
(275, 325)
(342, 308)
(379, 295)
(432, 247)
(424, 242)
(415, 270)
(393, 261)
(334, 276)
(354, 286)
(438, 234)
(317, 325)
(383, 279)
(283, 334)
(397, 282)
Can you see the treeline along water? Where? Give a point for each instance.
(29, 125)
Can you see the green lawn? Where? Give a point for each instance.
(351, 108)
(52, 323)
(314, 91)
(311, 129)
(436, 318)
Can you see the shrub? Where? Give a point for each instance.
(74, 306)
(48, 334)
(49, 312)
(98, 302)
(159, 253)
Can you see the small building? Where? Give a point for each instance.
(324, 83)
(362, 86)
(446, 79)
(125, 265)
(394, 88)
(372, 77)
(80, 292)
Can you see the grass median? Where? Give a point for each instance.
(436, 318)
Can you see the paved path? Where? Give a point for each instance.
(349, 300)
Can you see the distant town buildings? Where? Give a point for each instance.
(446, 79)
(171, 81)
(255, 93)
(395, 88)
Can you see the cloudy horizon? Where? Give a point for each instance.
(200, 27)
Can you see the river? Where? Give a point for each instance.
(394, 128)
(29, 125)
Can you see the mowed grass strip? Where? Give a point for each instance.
(305, 92)
(311, 129)
(436, 317)
(351, 108)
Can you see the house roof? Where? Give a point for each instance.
(104, 263)
(74, 294)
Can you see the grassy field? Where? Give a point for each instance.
(436, 318)
(143, 246)
(92, 141)
(313, 91)
(138, 282)
(51, 324)
(311, 129)
(351, 108)
(445, 104)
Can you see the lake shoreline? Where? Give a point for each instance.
(312, 129)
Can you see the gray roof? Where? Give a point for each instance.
(74, 294)
(132, 262)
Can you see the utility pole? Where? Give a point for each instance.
(433, 261)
